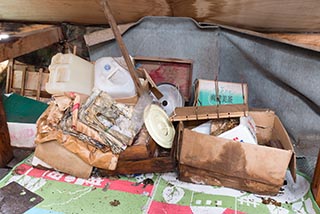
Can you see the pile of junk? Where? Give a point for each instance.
(128, 115)
(119, 115)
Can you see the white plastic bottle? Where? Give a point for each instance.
(111, 77)
(69, 72)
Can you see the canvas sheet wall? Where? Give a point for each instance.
(281, 77)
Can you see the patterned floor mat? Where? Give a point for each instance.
(163, 193)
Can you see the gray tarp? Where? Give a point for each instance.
(281, 77)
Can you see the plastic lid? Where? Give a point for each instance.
(159, 126)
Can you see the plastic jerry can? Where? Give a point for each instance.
(69, 72)
(111, 77)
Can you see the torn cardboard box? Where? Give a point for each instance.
(213, 160)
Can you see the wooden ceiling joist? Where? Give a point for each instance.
(28, 41)
(267, 16)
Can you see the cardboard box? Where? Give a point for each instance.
(210, 92)
(206, 159)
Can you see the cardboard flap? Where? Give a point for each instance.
(234, 159)
(281, 134)
(264, 120)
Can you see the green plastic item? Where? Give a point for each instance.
(21, 109)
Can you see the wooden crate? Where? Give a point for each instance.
(146, 158)
(26, 80)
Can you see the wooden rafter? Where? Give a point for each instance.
(271, 15)
(29, 41)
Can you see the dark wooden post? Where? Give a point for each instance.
(6, 152)
(315, 186)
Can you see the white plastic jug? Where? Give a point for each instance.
(113, 78)
(69, 72)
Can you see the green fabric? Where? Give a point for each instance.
(22, 109)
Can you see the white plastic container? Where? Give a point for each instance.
(111, 77)
(69, 72)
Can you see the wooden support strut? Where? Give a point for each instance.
(122, 46)
(315, 185)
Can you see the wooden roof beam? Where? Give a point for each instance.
(24, 43)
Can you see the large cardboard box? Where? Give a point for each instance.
(261, 169)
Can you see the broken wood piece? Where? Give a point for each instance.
(153, 87)
(155, 165)
(23, 81)
(105, 35)
(39, 84)
(208, 112)
(177, 72)
(74, 51)
(9, 81)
